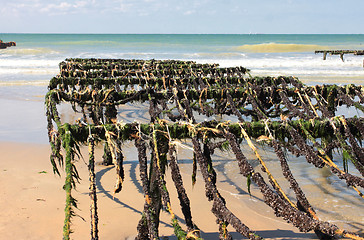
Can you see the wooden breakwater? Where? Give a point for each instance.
(282, 113)
(339, 52)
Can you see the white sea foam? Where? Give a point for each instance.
(299, 65)
(24, 83)
(19, 51)
(28, 71)
(30, 62)
(12, 67)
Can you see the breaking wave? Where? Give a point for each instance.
(25, 83)
(88, 42)
(280, 47)
(29, 51)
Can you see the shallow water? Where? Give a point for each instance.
(332, 200)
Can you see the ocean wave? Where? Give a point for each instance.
(9, 67)
(89, 42)
(296, 66)
(18, 51)
(215, 55)
(23, 63)
(308, 61)
(280, 48)
(24, 83)
(27, 71)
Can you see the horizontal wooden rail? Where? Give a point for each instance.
(340, 52)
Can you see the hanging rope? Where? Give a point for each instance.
(93, 194)
(281, 112)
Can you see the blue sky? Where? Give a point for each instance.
(181, 16)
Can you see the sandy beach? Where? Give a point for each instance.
(33, 201)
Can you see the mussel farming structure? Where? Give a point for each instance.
(210, 107)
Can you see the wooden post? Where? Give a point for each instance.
(342, 56)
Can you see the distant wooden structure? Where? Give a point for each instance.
(340, 52)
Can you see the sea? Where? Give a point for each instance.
(36, 57)
(25, 71)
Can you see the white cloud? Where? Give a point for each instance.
(189, 12)
(176, 15)
(30, 7)
(121, 7)
(64, 7)
(135, 7)
(56, 8)
(80, 4)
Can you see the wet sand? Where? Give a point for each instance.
(33, 200)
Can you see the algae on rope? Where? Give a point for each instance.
(280, 112)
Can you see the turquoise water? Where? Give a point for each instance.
(35, 58)
(26, 69)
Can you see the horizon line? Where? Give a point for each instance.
(68, 33)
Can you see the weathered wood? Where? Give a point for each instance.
(336, 52)
(340, 52)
